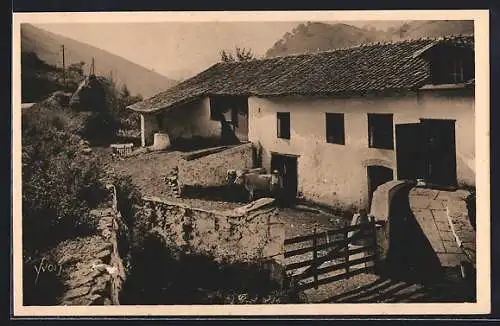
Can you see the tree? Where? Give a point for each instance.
(226, 56)
(241, 54)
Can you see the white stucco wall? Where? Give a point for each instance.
(148, 128)
(336, 174)
(186, 121)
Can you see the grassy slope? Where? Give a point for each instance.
(47, 46)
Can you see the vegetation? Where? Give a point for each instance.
(62, 181)
(240, 54)
(313, 37)
(39, 80)
(47, 46)
(164, 274)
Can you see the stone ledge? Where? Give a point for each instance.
(99, 281)
(458, 219)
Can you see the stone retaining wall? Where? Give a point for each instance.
(459, 221)
(247, 234)
(380, 210)
(100, 280)
(211, 170)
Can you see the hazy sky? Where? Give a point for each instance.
(178, 49)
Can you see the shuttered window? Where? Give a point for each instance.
(380, 131)
(283, 125)
(335, 133)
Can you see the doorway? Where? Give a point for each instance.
(409, 151)
(426, 150)
(377, 175)
(286, 165)
(439, 151)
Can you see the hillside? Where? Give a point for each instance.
(47, 46)
(429, 28)
(315, 37)
(312, 37)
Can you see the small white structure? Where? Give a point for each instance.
(161, 141)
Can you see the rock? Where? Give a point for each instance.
(107, 302)
(95, 299)
(101, 285)
(78, 292)
(99, 267)
(105, 255)
(112, 270)
(87, 150)
(80, 301)
(79, 281)
(67, 260)
(105, 246)
(106, 233)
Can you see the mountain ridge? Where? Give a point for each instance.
(47, 45)
(313, 37)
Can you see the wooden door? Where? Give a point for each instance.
(440, 151)
(409, 154)
(286, 165)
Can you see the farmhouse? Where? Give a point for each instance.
(336, 124)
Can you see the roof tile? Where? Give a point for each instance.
(366, 68)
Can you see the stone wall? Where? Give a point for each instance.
(99, 280)
(249, 233)
(380, 210)
(460, 224)
(211, 170)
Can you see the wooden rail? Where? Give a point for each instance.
(341, 252)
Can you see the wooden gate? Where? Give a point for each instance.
(323, 257)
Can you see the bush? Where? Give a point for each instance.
(60, 184)
(128, 197)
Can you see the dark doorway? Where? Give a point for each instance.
(377, 175)
(426, 150)
(439, 151)
(232, 112)
(286, 165)
(409, 151)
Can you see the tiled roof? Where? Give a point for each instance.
(357, 70)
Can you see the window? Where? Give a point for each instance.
(452, 66)
(335, 128)
(458, 71)
(283, 126)
(159, 122)
(228, 108)
(380, 131)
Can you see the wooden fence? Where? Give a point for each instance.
(122, 149)
(335, 254)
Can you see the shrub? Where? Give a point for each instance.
(128, 197)
(60, 184)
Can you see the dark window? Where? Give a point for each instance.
(335, 128)
(228, 108)
(215, 109)
(283, 125)
(380, 131)
(159, 122)
(451, 65)
(457, 73)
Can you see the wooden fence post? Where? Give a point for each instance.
(315, 257)
(375, 245)
(346, 237)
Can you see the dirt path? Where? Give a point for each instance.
(371, 288)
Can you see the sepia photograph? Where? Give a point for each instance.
(228, 163)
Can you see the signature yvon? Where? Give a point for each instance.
(46, 266)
